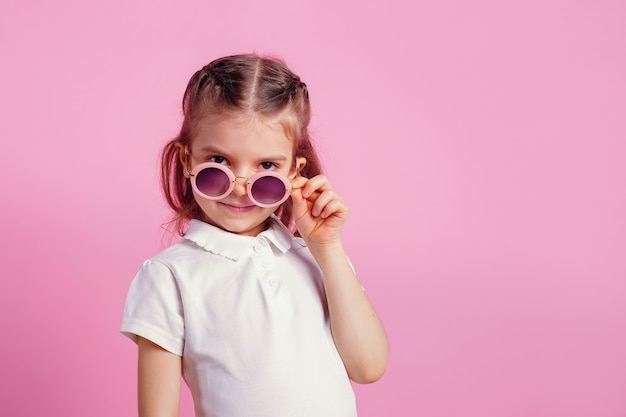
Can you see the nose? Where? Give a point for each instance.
(240, 187)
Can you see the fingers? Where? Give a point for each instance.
(326, 204)
(308, 187)
(317, 190)
(335, 208)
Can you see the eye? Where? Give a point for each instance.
(217, 159)
(268, 165)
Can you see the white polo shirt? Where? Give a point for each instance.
(249, 317)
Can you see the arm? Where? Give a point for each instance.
(159, 374)
(358, 333)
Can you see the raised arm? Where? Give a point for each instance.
(357, 331)
(159, 375)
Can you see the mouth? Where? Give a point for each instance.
(235, 208)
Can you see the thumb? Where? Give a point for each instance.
(299, 205)
(299, 202)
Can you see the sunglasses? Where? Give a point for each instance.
(214, 181)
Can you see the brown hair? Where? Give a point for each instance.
(233, 86)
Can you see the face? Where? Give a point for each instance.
(246, 147)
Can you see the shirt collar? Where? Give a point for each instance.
(233, 246)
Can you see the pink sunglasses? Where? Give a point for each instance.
(215, 181)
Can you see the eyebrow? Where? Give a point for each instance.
(213, 149)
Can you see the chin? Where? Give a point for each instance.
(242, 228)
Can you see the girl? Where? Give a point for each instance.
(258, 322)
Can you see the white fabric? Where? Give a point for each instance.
(248, 315)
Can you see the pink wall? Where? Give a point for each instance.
(482, 148)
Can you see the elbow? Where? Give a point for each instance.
(368, 373)
(367, 377)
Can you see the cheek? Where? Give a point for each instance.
(203, 203)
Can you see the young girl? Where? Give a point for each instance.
(258, 322)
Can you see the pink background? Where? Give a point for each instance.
(481, 146)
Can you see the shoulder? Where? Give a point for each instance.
(176, 252)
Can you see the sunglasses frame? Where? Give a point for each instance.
(233, 178)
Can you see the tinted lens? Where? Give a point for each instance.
(212, 182)
(268, 190)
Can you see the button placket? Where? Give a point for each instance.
(270, 280)
(263, 254)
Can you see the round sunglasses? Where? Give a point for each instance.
(214, 181)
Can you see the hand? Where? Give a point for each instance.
(318, 211)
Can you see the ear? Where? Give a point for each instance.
(183, 155)
(300, 164)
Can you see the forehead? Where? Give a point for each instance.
(243, 136)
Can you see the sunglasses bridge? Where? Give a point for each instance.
(246, 179)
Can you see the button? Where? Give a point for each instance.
(273, 282)
(265, 264)
(260, 244)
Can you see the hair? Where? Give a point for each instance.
(235, 86)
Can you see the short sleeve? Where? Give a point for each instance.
(153, 308)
